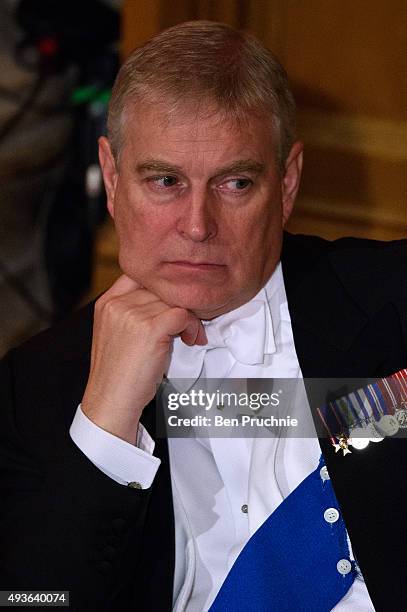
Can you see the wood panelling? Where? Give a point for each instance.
(348, 68)
(368, 136)
(267, 20)
(141, 19)
(351, 53)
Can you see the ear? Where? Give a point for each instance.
(291, 180)
(109, 171)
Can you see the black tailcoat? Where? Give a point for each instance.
(65, 525)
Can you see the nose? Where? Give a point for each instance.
(197, 221)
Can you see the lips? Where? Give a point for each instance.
(196, 264)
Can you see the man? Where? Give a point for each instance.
(201, 168)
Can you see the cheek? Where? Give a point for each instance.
(141, 235)
(254, 232)
(261, 240)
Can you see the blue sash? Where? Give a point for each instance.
(296, 561)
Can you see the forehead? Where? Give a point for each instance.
(201, 134)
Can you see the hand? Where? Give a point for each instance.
(132, 335)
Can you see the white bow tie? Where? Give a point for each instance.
(246, 332)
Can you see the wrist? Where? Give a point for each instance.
(113, 419)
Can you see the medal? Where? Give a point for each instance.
(360, 437)
(358, 443)
(388, 425)
(401, 416)
(342, 445)
(368, 414)
(400, 378)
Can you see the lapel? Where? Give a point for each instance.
(325, 321)
(335, 309)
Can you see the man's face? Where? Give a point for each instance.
(199, 205)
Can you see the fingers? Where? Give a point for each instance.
(201, 338)
(179, 321)
(190, 333)
(194, 333)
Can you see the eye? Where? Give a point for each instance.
(236, 185)
(163, 182)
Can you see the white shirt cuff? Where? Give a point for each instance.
(116, 458)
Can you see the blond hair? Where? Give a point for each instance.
(206, 63)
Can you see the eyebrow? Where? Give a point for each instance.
(157, 165)
(242, 165)
(236, 167)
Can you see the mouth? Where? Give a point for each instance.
(196, 265)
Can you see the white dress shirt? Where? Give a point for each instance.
(223, 488)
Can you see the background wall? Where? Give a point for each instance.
(348, 67)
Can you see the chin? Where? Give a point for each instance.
(204, 302)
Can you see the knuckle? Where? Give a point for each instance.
(113, 308)
(111, 305)
(149, 326)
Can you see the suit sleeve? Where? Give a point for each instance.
(63, 523)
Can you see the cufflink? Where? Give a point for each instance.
(134, 485)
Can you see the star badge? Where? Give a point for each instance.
(342, 445)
